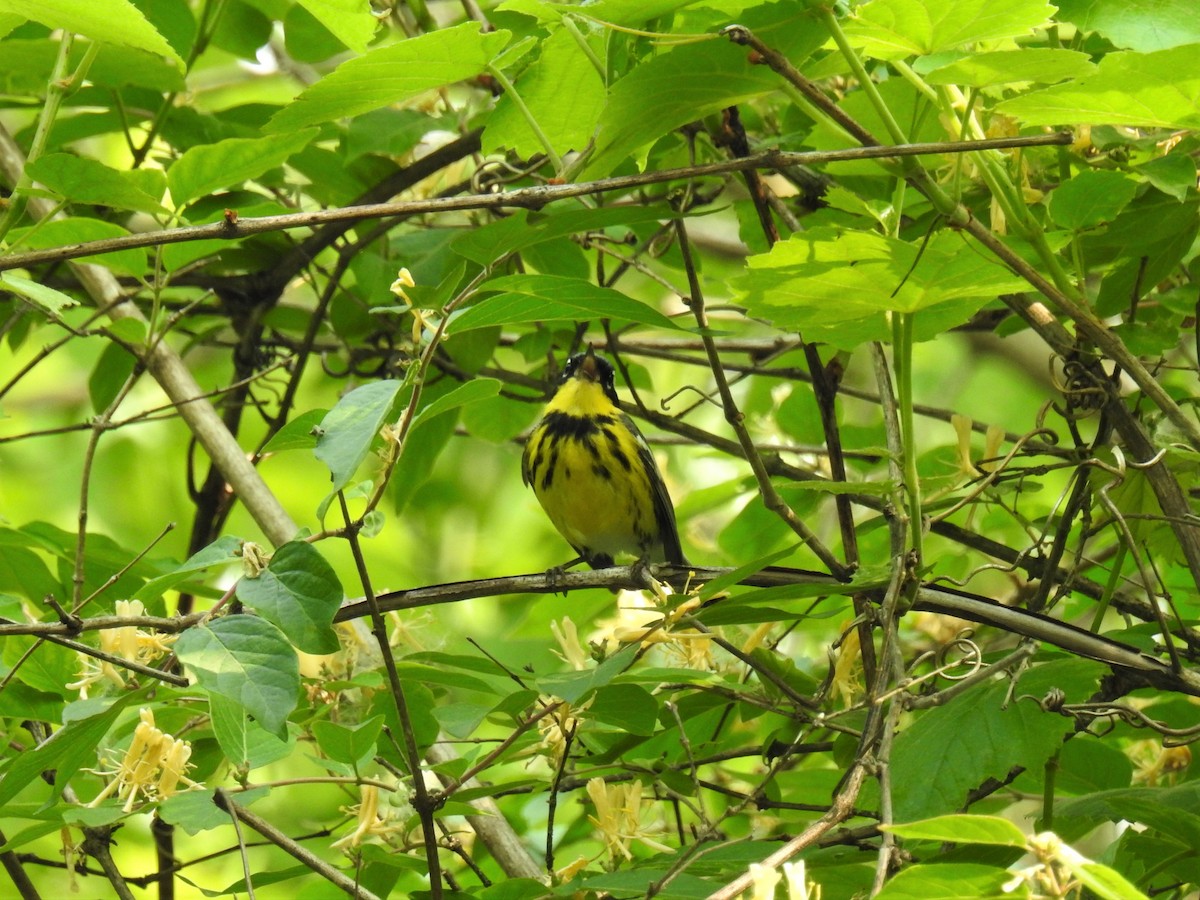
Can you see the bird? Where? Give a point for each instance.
(594, 475)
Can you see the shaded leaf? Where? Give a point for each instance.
(393, 74)
(1159, 89)
(299, 593)
(247, 660)
(88, 181)
(523, 299)
(207, 167)
(349, 429)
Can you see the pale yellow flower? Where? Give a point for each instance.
(618, 816)
(154, 766)
(567, 636)
(763, 881)
(376, 822)
(127, 642)
(555, 728)
(422, 318)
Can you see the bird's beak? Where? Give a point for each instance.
(588, 369)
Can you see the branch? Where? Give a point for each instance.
(522, 198)
(172, 375)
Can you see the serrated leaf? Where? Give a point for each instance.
(951, 749)
(563, 93)
(45, 298)
(1144, 25)
(673, 89)
(247, 660)
(299, 593)
(208, 167)
(105, 21)
(89, 181)
(1037, 65)
(392, 75)
(1159, 89)
(894, 29)
(349, 429)
(524, 299)
(841, 287)
(350, 21)
(962, 829)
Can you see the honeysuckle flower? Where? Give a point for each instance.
(128, 642)
(618, 816)
(377, 822)
(154, 766)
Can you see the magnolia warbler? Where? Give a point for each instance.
(594, 474)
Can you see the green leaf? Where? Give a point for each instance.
(840, 287)
(948, 881)
(1143, 25)
(629, 707)
(245, 743)
(112, 369)
(87, 181)
(392, 75)
(76, 230)
(1036, 64)
(962, 829)
(524, 229)
(894, 29)
(298, 434)
(632, 12)
(1159, 89)
(350, 428)
(934, 767)
(675, 88)
(470, 392)
(1090, 199)
(349, 744)
(1174, 174)
(206, 168)
(350, 21)
(571, 686)
(1104, 882)
(47, 299)
(106, 21)
(951, 749)
(562, 91)
(223, 551)
(195, 811)
(299, 593)
(1171, 811)
(65, 751)
(247, 660)
(525, 299)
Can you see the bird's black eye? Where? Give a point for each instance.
(570, 367)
